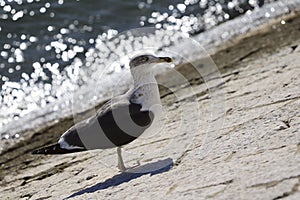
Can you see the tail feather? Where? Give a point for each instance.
(55, 149)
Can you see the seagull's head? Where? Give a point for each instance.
(146, 62)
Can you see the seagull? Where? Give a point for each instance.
(119, 121)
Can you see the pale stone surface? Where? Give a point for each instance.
(247, 147)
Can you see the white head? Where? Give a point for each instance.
(145, 90)
(144, 63)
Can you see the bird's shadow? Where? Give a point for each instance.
(157, 167)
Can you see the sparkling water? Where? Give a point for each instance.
(50, 50)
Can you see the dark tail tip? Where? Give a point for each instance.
(55, 149)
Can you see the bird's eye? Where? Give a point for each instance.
(140, 60)
(144, 59)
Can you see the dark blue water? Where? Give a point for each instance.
(49, 48)
(29, 27)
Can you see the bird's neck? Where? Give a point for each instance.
(145, 91)
(143, 79)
